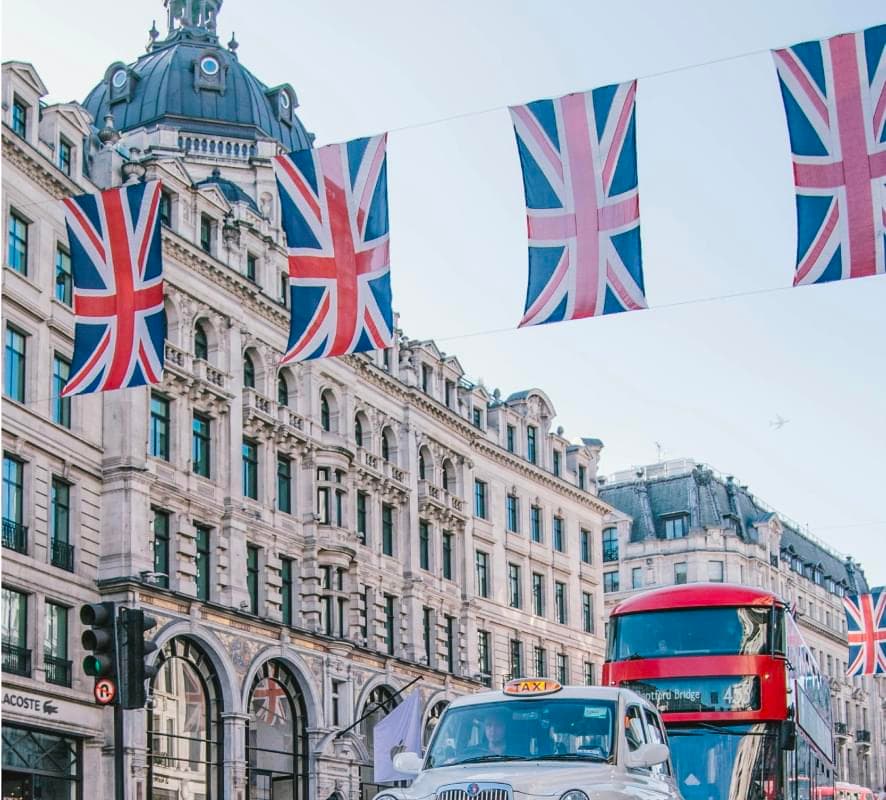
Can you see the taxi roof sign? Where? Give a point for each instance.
(531, 686)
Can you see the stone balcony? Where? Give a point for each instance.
(841, 731)
(197, 375)
(437, 498)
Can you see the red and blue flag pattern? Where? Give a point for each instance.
(119, 321)
(834, 93)
(866, 632)
(334, 206)
(579, 160)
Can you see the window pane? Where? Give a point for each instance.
(17, 256)
(14, 369)
(64, 284)
(159, 439)
(61, 406)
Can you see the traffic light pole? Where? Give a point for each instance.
(119, 783)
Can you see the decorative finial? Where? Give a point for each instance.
(216, 172)
(152, 34)
(233, 44)
(108, 135)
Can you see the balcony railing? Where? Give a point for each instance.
(840, 729)
(62, 555)
(863, 736)
(58, 670)
(15, 536)
(16, 660)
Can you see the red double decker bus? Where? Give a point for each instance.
(747, 712)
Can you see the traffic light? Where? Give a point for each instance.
(101, 639)
(134, 624)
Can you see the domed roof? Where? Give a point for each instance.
(232, 192)
(190, 82)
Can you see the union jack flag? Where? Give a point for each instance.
(834, 94)
(334, 203)
(579, 159)
(119, 322)
(866, 630)
(270, 702)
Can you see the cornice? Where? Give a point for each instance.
(40, 169)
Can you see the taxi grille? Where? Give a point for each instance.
(458, 793)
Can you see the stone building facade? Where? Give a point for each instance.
(310, 539)
(680, 521)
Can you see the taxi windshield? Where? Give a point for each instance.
(546, 729)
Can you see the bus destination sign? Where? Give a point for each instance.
(700, 694)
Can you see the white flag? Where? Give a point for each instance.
(398, 732)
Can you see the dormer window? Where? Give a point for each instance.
(19, 117)
(119, 78)
(209, 73)
(283, 97)
(65, 154)
(121, 81)
(209, 66)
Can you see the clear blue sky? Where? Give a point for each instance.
(717, 216)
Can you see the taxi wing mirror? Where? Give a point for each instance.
(408, 763)
(647, 755)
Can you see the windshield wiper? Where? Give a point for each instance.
(487, 757)
(572, 757)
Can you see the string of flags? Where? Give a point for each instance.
(578, 156)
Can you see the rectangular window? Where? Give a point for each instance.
(387, 529)
(336, 703)
(61, 406)
(586, 550)
(557, 465)
(425, 378)
(587, 612)
(478, 418)
(250, 469)
(13, 497)
(513, 513)
(165, 209)
(161, 547)
(64, 278)
(427, 616)
(323, 495)
(424, 545)
(202, 539)
(251, 262)
(558, 539)
(65, 155)
(286, 590)
(206, 232)
(563, 668)
(447, 555)
(450, 643)
(582, 477)
(610, 581)
(389, 624)
(17, 254)
(448, 389)
(484, 656)
(362, 500)
(715, 571)
(536, 524)
(14, 369)
(481, 561)
(20, 118)
(252, 577)
(16, 656)
(610, 544)
(480, 499)
(55, 645)
(201, 442)
(538, 594)
(284, 484)
(637, 578)
(531, 435)
(62, 553)
(514, 594)
(516, 658)
(590, 678)
(560, 602)
(511, 438)
(284, 289)
(159, 435)
(541, 661)
(675, 527)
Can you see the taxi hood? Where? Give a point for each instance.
(538, 778)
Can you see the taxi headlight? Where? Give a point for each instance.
(385, 797)
(574, 794)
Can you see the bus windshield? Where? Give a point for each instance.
(690, 632)
(524, 730)
(725, 762)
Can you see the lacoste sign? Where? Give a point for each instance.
(35, 706)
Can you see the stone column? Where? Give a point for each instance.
(233, 759)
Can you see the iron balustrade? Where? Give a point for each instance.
(58, 670)
(15, 536)
(863, 736)
(63, 555)
(16, 660)
(840, 729)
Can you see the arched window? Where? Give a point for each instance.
(248, 371)
(184, 724)
(282, 389)
(388, 448)
(358, 432)
(201, 343)
(448, 476)
(277, 735)
(382, 701)
(325, 412)
(422, 467)
(433, 718)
